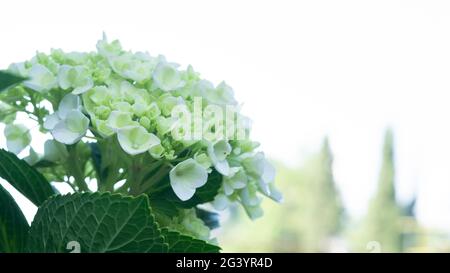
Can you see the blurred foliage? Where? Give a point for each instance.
(383, 222)
(312, 218)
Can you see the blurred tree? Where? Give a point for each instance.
(383, 220)
(323, 209)
(310, 216)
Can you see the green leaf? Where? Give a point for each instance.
(99, 222)
(8, 79)
(162, 206)
(202, 195)
(179, 243)
(31, 183)
(13, 225)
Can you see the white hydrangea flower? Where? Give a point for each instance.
(203, 160)
(186, 177)
(263, 172)
(120, 119)
(108, 49)
(67, 125)
(76, 77)
(165, 125)
(218, 153)
(254, 164)
(72, 128)
(222, 95)
(18, 137)
(129, 67)
(167, 77)
(136, 140)
(157, 151)
(167, 103)
(236, 180)
(41, 79)
(102, 127)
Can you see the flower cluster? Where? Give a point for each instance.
(135, 98)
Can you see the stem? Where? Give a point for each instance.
(154, 179)
(35, 108)
(135, 175)
(75, 169)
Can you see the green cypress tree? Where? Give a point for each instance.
(323, 210)
(383, 219)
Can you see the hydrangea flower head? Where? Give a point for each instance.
(165, 125)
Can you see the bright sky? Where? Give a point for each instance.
(303, 69)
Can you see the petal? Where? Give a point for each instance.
(123, 106)
(51, 121)
(249, 196)
(18, 69)
(68, 103)
(107, 49)
(156, 151)
(64, 78)
(66, 135)
(54, 151)
(165, 125)
(219, 151)
(184, 192)
(167, 77)
(42, 79)
(136, 140)
(99, 94)
(139, 108)
(77, 122)
(84, 88)
(255, 164)
(167, 102)
(187, 175)
(153, 111)
(268, 173)
(264, 187)
(102, 127)
(222, 95)
(16, 146)
(119, 119)
(18, 137)
(222, 167)
(275, 194)
(238, 180)
(203, 160)
(227, 188)
(254, 212)
(32, 158)
(221, 202)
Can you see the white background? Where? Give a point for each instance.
(303, 69)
